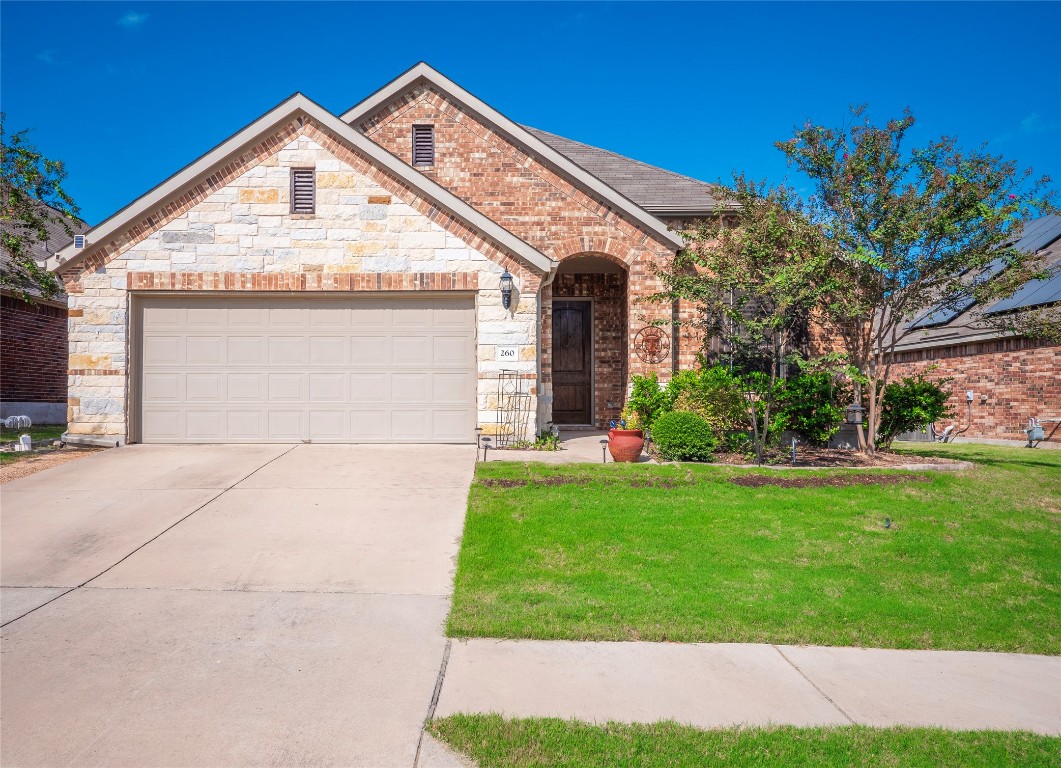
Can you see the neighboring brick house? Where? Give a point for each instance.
(340, 279)
(1012, 378)
(33, 343)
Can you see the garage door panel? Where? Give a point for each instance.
(246, 350)
(367, 351)
(164, 350)
(411, 426)
(451, 351)
(285, 425)
(163, 425)
(368, 425)
(410, 388)
(204, 387)
(369, 387)
(327, 350)
(327, 387)
(286, 387)
(162, 388)
(201, 424)
(265, 369)
(245, 426)
(246, 387)
(287, 350)
(245, 315)
(204, 350)
(327, 424)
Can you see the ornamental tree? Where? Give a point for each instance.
(31, 198)
(909, 230)
(754, 272)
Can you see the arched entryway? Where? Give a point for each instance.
(585, 335)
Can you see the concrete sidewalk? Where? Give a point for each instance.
(721, 685)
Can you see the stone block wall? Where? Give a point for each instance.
(1011, 379)
(364, 236)
(32, 353)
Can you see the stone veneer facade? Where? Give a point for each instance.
(369, 233)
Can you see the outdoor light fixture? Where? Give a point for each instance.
(604, 451)
(478, 442)
(854, 413)
(506, 289)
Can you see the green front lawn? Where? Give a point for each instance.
(46, 433)
(497, 743)
(971, 560)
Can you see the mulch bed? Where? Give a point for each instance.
(811, 458)
(830, 481)
(634, 482)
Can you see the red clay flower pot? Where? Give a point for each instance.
(625, 444)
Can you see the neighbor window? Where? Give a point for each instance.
(303, 190)
(423, 145)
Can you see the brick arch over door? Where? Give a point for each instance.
(608, 295)
(607, 248)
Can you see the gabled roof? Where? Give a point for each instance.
(656, 190)
(58, 238)
(965, 321)
(423, 73)
(288, 109)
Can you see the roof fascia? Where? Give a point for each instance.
(284, 111)
(514, 132)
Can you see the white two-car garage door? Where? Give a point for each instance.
(259, 370)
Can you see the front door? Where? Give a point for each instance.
(572, 362)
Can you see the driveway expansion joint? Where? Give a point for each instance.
(814, 685)
(434, 699)
(153, 538)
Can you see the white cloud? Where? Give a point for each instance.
(132, 20)
(48, 56)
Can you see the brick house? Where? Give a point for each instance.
(33, 343)
(341, 278)
(1012, 378)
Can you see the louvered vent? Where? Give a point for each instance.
(423, 145)
(303, 190)
(79, 241)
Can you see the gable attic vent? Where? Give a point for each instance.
(79, 241)
(303, 190)
(423, 145)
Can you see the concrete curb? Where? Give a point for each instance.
(96, 441)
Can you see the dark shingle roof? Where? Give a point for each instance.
(656, 190)
(57, 239)
(1042, 236)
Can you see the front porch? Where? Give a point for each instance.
(584, 339)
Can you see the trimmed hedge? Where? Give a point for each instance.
(682, 436)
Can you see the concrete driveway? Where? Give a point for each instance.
(227, 605)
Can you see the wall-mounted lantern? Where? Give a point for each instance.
(506, 290)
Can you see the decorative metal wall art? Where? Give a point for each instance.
(652, 345)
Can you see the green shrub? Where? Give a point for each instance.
(811, 406)
(683, 436)
(910, 404)
(714, 394)
(646, 402)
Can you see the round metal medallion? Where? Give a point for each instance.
(652, 345)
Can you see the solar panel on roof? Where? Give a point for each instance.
(1032, 294)
(940, 315)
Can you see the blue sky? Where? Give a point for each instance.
(127, 93)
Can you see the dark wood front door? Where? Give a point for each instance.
(572, 362)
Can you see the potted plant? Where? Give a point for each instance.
(625, 439)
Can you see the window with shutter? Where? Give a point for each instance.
(423, 145)
(303, 190)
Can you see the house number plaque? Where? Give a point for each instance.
(508, 354)
(652, 345)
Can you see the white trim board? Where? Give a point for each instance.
(289, 108)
